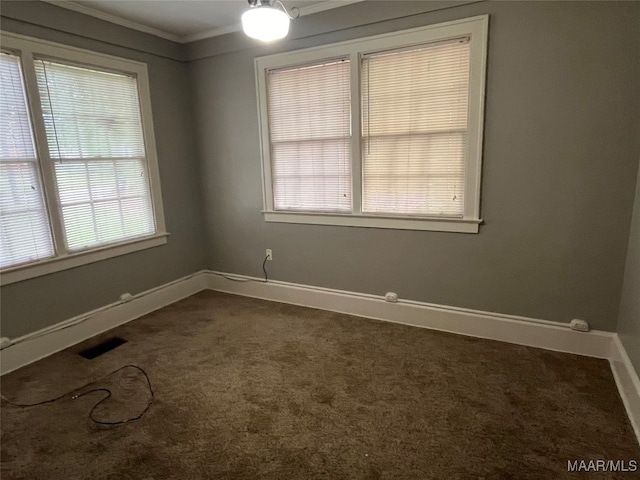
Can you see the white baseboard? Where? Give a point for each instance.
(628, 383)
(45, 342)
(494, 326)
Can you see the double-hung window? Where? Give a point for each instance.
(24, 224)
(78, 172)
(310, 131)
(383, 132)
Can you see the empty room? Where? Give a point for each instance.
(295, 240)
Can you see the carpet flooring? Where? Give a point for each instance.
(250, 389)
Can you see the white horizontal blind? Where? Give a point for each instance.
(25, 235)
(94, 132)
(414, 127)
(310, 135)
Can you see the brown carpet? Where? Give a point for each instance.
(249, 389)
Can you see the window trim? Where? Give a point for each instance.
(476, 28)
(436, 224)
(29, 48)
(85, 257)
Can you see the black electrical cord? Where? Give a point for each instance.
(105, 390)
(245, 280)
(264, 268)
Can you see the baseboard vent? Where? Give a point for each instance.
(102, 348)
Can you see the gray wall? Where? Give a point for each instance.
(560, 159)
(629, 320)
(37, 303)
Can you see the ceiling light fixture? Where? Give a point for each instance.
(266, 22)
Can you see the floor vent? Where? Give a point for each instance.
(102, 348)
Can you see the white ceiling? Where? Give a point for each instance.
(183, 20)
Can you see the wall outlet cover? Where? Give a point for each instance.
(391, 297)
(579, 325)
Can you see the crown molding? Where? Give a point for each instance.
(215, 32)
(76, 7)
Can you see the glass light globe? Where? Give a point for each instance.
(265, 23)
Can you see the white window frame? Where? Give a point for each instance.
(27, 48)
(476, 28)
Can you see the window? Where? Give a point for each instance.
(94, 138)
(309, 118)
(79, 180)
(25, 232)
(414, 122)
(383, 132)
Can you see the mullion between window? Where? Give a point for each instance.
(356, 119)
(45, 163)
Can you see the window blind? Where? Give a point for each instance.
(414, 129)
(310, 137)
(25, 235)
(94, 133)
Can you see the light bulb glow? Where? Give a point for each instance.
(265, 23)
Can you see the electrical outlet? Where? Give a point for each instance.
(269, 254)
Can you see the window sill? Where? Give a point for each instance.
(71, 260)
(457, 225)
